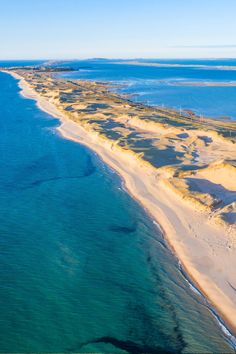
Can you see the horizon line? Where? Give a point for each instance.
(115, 58)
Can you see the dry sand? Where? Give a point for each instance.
(206, 251)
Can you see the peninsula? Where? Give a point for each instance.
(179, 166)
(174, 65)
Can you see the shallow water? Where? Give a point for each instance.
(82, 267)
(156, 85)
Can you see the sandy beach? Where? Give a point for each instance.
(206, 250)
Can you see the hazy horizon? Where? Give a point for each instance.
(118, 58)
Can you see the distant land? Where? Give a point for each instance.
(166, 65)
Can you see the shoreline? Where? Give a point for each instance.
(162, 205)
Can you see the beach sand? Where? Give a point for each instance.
(207, 251)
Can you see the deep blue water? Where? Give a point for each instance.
(82, 267)
(156, 85)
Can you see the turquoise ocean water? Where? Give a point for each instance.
(82, 267)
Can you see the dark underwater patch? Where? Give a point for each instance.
(21, 186)
(127, 345)
(43, 163)
(21, 183)
(177, 332)
(123, 229)
(90, 167)
(52, 179)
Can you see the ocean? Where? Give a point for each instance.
(83, 268)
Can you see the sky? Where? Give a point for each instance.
(77, 29)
